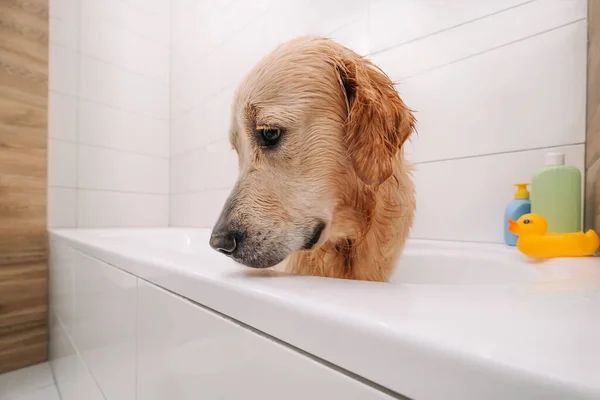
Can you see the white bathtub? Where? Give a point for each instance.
(156, 314)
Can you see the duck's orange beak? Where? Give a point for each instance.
(513, 227)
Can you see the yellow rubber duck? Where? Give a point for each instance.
(534, 240)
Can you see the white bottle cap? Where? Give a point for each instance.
(555, 159)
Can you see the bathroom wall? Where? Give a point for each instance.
(109, 113)
(495, 85)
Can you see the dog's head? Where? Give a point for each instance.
(310, 119)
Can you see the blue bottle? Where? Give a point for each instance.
(519, 206)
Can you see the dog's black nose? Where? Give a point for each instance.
(225, 242)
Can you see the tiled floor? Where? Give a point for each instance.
(32, 383)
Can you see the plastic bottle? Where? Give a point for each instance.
(556, 195)
(521, 205)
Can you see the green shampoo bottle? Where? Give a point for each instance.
(556, 195)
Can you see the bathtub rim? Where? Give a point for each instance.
(411, 347)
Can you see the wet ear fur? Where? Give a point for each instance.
(378, 121)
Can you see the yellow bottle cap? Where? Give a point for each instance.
(521, 192)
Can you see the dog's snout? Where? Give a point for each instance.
(225, 241)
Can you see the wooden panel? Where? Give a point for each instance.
(23, 345)
(593, 84)
(23, 182)
(23, 293)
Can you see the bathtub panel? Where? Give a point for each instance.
(61, 263)
(186, 352)
(73, 379)
(104, 325)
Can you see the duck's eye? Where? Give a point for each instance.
(269, 136)
(527, 221)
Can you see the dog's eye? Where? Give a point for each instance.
(270, 136)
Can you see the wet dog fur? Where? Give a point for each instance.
(332, 195)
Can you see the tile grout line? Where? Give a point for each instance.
(207, 98)
(464, 241)
(80, 189)
(450, 28)
(214, 189)
(209, 51)
(136, 113)
(497, 153)
(404, 79)
(204, 100)
(77, 110)
(143, 36)
(187, 152)
(29, 389)
(170, 166)
(138, 8)
(200, 147)
(112, 64)
(109, 148)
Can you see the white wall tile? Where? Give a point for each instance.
(62, 207)
(194, 88)
(331, 15)
(106, 126)
(214, 166)
(107, 169)
(395, 22)
(187, 173)
(64, 33)
(527, 95)
(196, 77)
(187, 131)
(465, 199)
(225, 67)
(354, 36)
(62, 116)
(185, 350)
(124, 48)
(310, 17)
(111, 85)
(105, 325)
(62, 163)
(478, 36)
(109, 103)
(102, 209)
(65, 10)
(63, 69)
(199, 209)
(483, 77)
(206, 123)
(155, 26)
(153, 7)
(214, 22)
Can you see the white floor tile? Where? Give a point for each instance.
(25, 381)
(47, 393)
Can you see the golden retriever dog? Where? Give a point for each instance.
(322, 179)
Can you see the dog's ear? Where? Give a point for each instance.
(378, 121)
